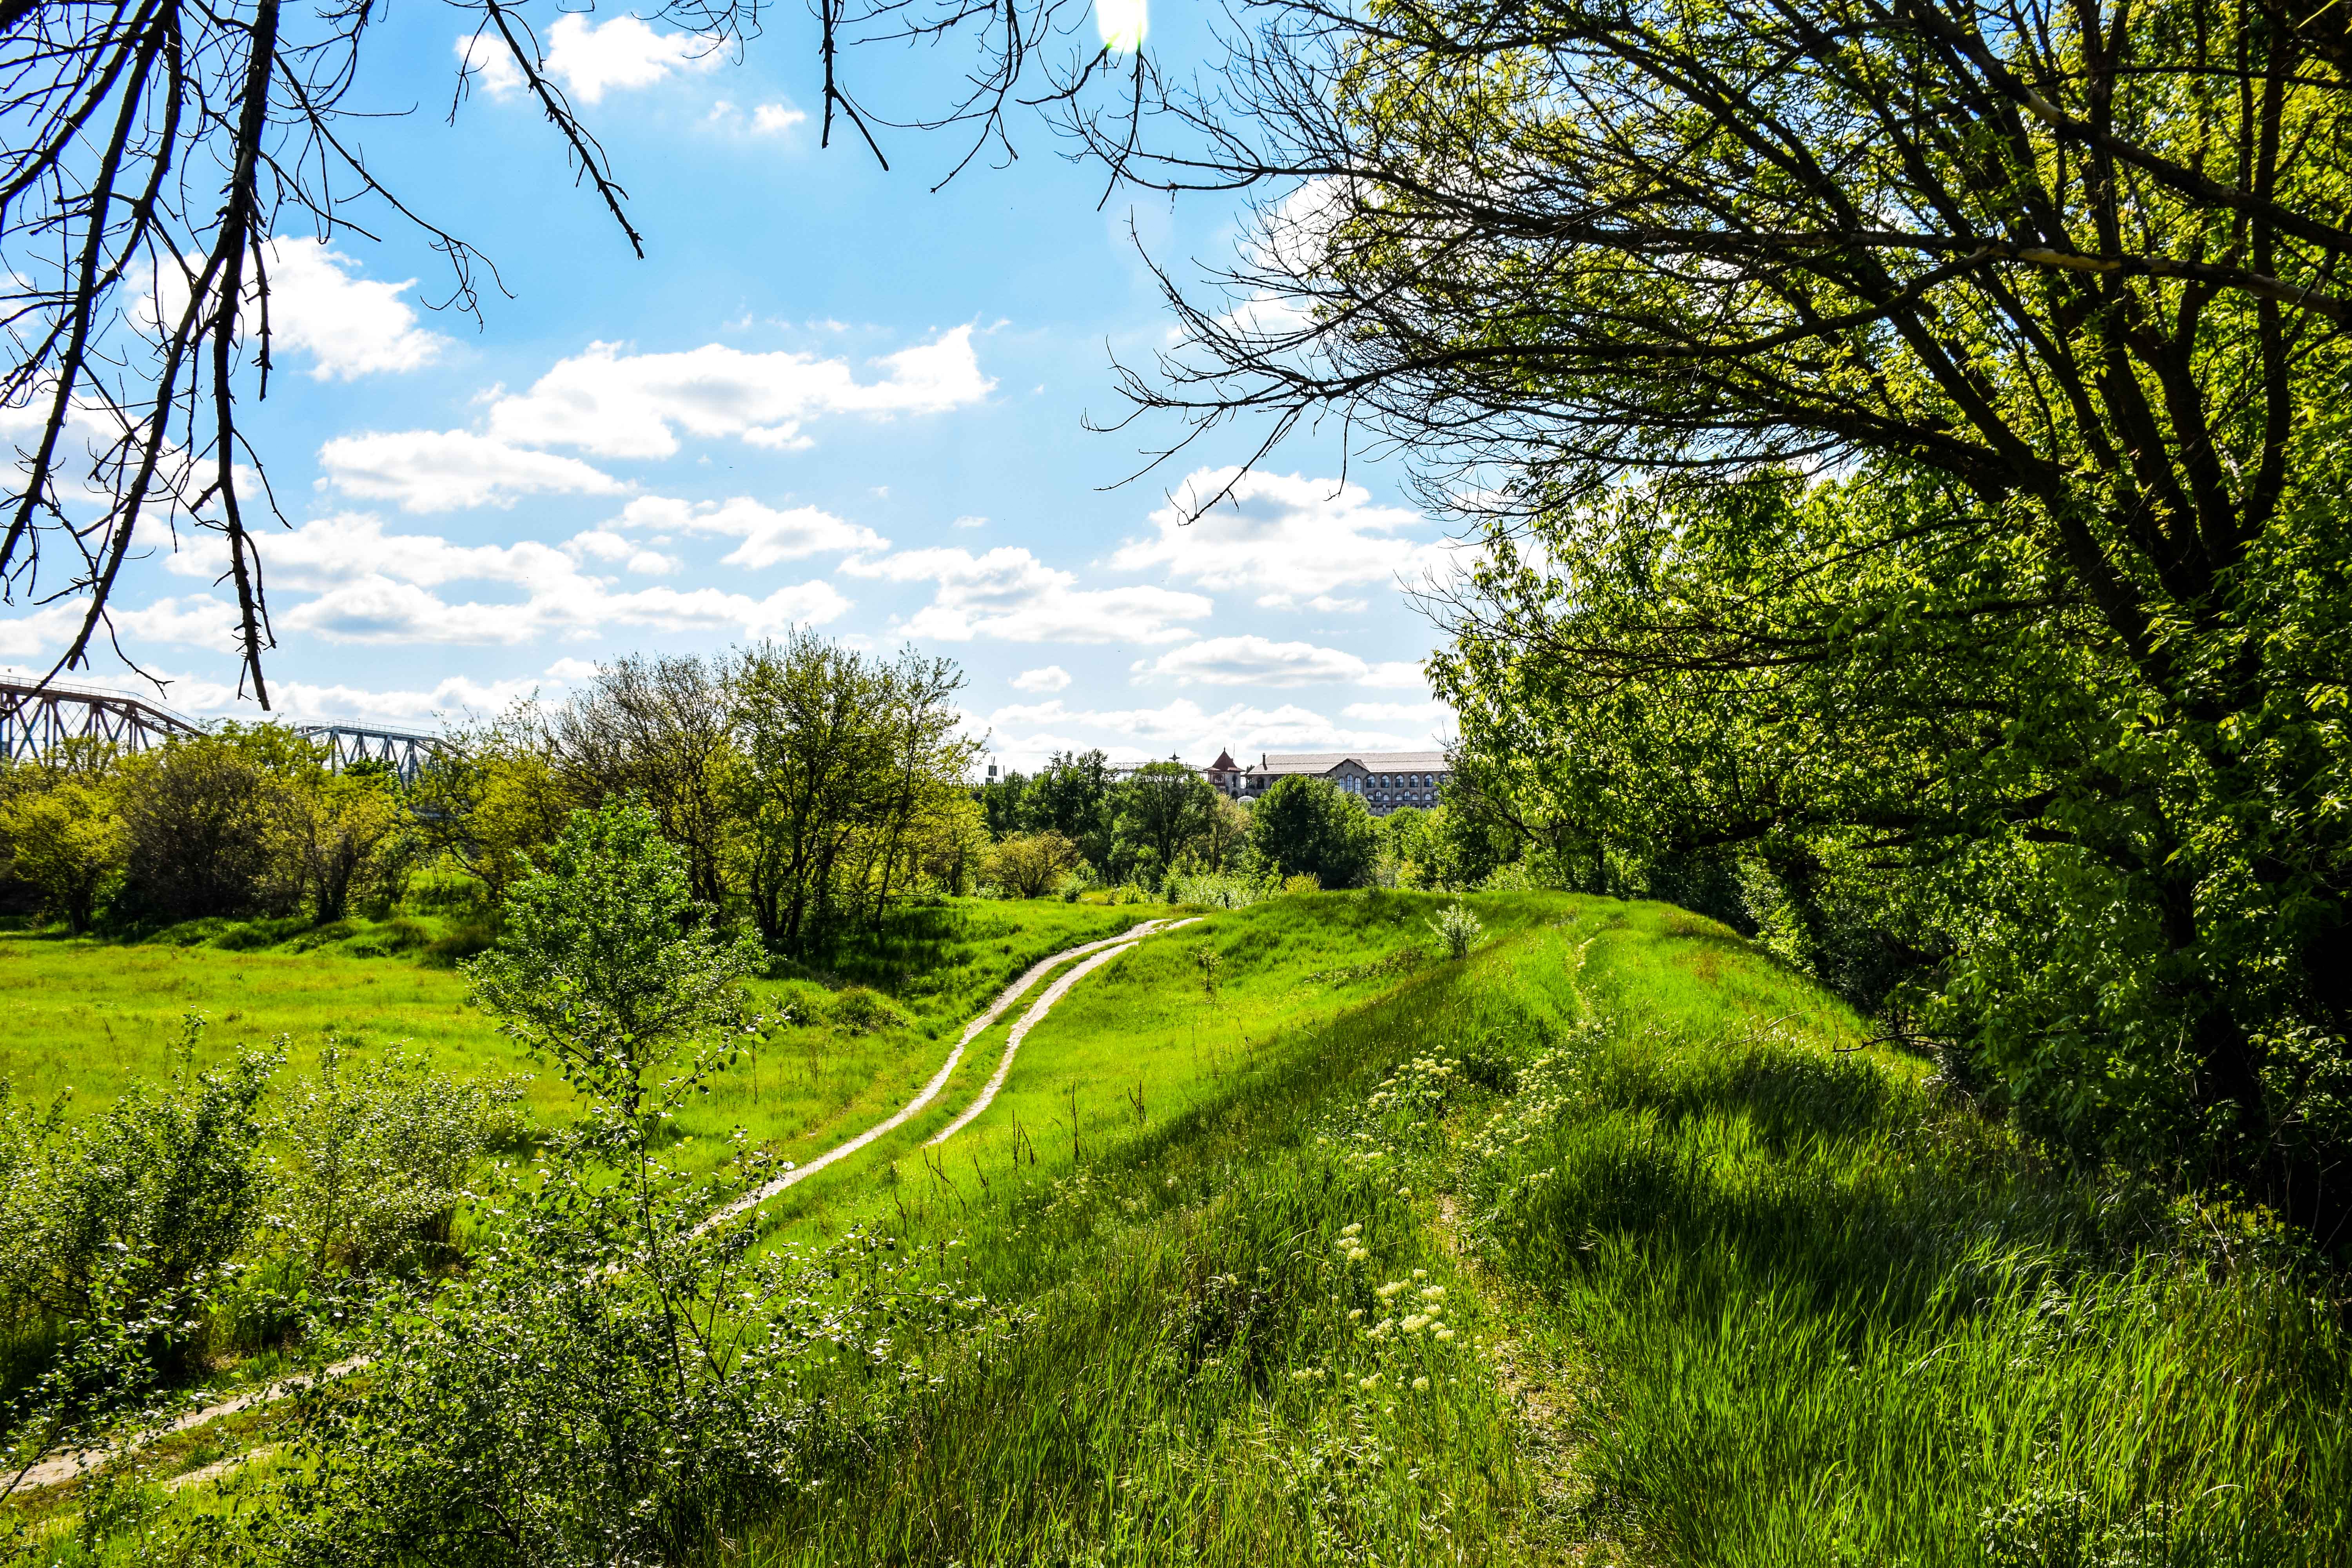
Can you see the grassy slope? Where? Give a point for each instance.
(1144, 1028)
(1719, 1294)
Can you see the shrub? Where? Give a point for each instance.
(378, 1157)
(1304, 882)
(1458, 929)
(610, 1382)
(1030, 865)
(856, 1010)
(141, 1205)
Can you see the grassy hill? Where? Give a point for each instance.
(1614, 1242)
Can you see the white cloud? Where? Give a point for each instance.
(590, 59)
(1052, 677)
(763, 120)
(197, 620)
(1253, 660)
(441, 470)
(349, 325)
(486, 58)
(620, 405)
(200, 620)
(422, 710)
(971, 521)
(1025, 734)
(380, 610)
(297, 701)
(604, 544)
(1009, 594)
(39, 633)
(373, 586)
(769, 536)
(1295, 538)
(1428, 715)
(571, 671)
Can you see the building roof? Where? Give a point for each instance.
(1224, 764)
(1278, 763)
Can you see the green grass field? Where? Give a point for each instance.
(94, 1016)
(1612, 1243)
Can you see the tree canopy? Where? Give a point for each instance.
(1909, 449)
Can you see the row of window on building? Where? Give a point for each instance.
(1385, 780)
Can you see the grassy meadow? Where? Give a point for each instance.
(93, 1017)
(1616, 1242)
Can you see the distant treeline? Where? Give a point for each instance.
(808, 786)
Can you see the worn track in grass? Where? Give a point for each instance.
(63, 1467)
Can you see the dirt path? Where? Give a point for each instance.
(64, 1467)
(972, 1031)
(1045, 1005)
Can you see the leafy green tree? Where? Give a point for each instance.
(1160, 812)
(67, 842)
(1072, 796)
(2049, 305)
(657, 727)
(1003, 803)
(345, 834)
(490, 800)
(1030, 865)
(605, 963)
(847, 759)
(1310, 826)
(200, 816)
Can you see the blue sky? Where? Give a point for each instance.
(827, 397)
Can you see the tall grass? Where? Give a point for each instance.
(1184, 1374)
(1834, 1316)
(1693, 1277)
(1727, 1294)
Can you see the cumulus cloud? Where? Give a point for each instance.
(1427, 715)
(195, 620)
(349, 325)
(38, 633)
(1253, 660)
(375, 586)
(604, 544)
(1009, 596)
(381, 610)
(442, 471)
(319, 305)
(775, 119)
(592, 58)
(1293, 538)
(619, 405)
(1052, 677)
(768, 535)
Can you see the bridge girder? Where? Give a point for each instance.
(35, 720)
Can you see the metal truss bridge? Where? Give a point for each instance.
(35, 720)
